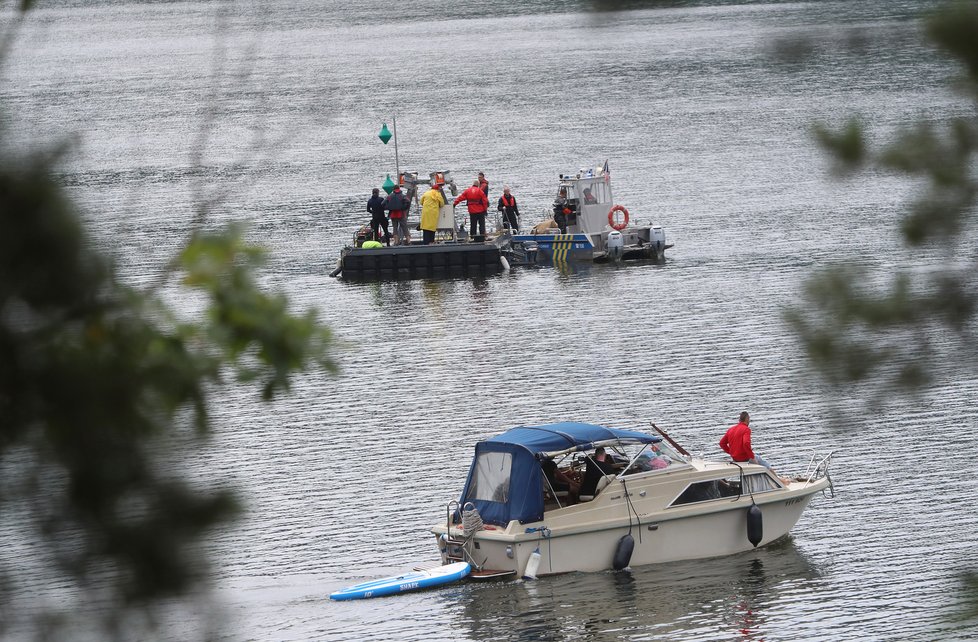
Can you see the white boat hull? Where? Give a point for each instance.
(585, 537)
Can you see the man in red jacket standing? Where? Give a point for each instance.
(736, 443)
(478, 204)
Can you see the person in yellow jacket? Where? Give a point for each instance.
(431, 202)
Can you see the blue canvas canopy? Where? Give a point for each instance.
(505, 480)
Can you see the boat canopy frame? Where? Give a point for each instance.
(505, 481)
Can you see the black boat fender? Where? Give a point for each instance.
(755, 525)
(623, 552)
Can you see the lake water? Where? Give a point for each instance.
(706, 132)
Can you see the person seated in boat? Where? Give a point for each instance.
(736, 443)
(559, 481)
(589, 198)
(595, 468)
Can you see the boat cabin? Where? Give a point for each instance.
(507, 482)
(588, 196)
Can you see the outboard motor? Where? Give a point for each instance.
(615, 245)
(658, 242)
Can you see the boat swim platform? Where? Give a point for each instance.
(419, 261)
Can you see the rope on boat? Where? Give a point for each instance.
(471, 521)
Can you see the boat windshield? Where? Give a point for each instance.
(653, 457)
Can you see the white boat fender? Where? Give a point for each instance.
(755, 525)
(532, 565)
(504, 263)
(623, 552)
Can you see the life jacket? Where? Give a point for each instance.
(508, 201)
(475, 199)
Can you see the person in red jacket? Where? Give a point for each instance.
(478, 204)
(736, 443)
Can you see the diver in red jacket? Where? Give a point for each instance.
(477, 202)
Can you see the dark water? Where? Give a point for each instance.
(706, 132)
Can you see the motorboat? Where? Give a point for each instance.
(588, 226)
(653, 502)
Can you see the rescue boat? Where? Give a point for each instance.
(587, 225)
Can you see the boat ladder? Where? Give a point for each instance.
(457, 549)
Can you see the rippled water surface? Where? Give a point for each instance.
(706, 132)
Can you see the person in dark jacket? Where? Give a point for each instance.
(398, 205)
(595, 468)
(562, 209)
(507, 205)
(377, 217)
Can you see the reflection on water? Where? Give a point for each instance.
(721, 598)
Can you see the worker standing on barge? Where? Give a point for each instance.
(431, 203)
(377, 217)
(398, 204)
(477, 203)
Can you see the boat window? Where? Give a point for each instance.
(490, 482)
(723, 488)
(601, 191)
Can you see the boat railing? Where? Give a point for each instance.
(453, 508)
(818, 467)
(470, 525)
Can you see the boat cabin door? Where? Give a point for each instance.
(591, 200)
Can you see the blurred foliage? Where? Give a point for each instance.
(98, 382)
(856, 331)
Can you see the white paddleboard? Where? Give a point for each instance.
(412, 581)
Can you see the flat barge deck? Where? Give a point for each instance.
(419, 261)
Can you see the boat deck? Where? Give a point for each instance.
(416, 260)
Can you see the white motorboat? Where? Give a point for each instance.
(660, 504)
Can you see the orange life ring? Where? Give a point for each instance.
(611, 217)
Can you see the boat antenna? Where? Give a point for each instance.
(671, 441)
